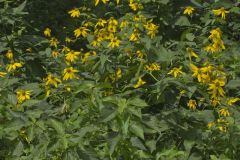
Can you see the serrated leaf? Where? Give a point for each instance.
(137, 129)
(137, 102)
(12, 99)
(113, 143)
(30, 102)
(136, 142)
(57, 126)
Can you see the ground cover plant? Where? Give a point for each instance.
(119, 79)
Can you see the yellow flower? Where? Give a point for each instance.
(134, 36)
(74, 12)
(72, 56)
(97, 1)
(55, 54)
(222, 121)
(123, 24)
(222, 128)
(182, 92)
(112, 22)
(231, 101)
(215, 101)
(68, 88)
(202, 74)
(87, 24)
(152, 67)
(216, 87)
(139, 83)
(112, 28)
(47, 91)
(176, 71)
(152, 29)
(215, 34)
(188, 10)
(210, 124)
(218, 44)
(2, 74)
(192, 104)
(29, 50)
(94, 53)
(117, 75)
(96, 43)
(53, 42)
(192, 53)
(9, 54)
(114, 42)
(52, 80)
(68, 40)
(196, 72)
(224, 112)
(137, 18)
(23, 95)
(221, 11)
(47, 32)
(81, 31)
(85, 57)
(140, 54)
(69, 73)
(135, 5)
(216, 47)
(66, 49)
(100, 23)
(209, 48)
(13, 66)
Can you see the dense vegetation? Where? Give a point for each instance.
(119, 79)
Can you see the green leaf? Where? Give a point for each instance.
(196, 3)
(113, 143)
(235, 10)
(183, 21)
(190, 36)
(9, 82)
(103, 60)
(84, 86)
(108, 116)
(147, 42)
(213, 157)
(164, 55)
(19, 9)
(137, 102)
(122, 104)
(205, 115)
(34, 113)
(12, 99)
(57, 126)
(162, 1)
(195, 156)
(137, 129)
(136, 142)
(151, 144)
(30, 102)
(18, 149)
(188, 145)
(233, 84)
(125, 126)
(84, 130)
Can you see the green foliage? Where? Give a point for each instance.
(115, 107)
